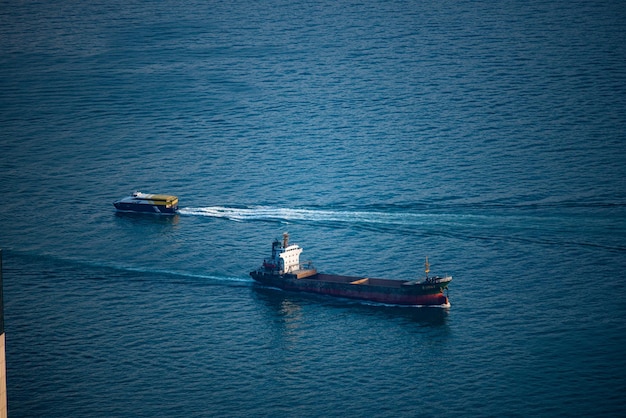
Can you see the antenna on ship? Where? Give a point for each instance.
(427, 267)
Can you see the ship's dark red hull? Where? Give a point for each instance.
(394, 292)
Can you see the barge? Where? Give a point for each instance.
(283, 270)
(138, 202)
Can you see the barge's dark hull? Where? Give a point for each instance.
(394, 292)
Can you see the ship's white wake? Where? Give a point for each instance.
(509, 227)
(287, 215)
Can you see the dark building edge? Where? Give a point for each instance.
(1, 297)
(3, 365)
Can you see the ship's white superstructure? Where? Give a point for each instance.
(286, 259)
(290, 258)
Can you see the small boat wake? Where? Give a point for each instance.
(509, 226)
(288, 215)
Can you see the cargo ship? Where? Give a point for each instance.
(283, 270)
(159, 204)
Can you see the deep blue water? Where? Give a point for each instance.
(489, 136)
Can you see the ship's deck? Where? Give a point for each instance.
(359, 280)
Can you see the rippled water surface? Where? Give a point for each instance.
(488, 136)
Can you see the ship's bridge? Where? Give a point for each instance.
(290, 258)
(285, 260)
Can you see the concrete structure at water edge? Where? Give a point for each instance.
(3, 363)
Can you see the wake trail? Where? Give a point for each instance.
(519, 227)
(286, 215)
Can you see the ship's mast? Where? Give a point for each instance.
(427, 268)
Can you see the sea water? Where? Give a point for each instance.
(488, 136)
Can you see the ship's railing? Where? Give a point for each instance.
(306, 265)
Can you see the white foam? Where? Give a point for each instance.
(266, 213)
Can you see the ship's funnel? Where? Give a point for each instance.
(285, 239)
